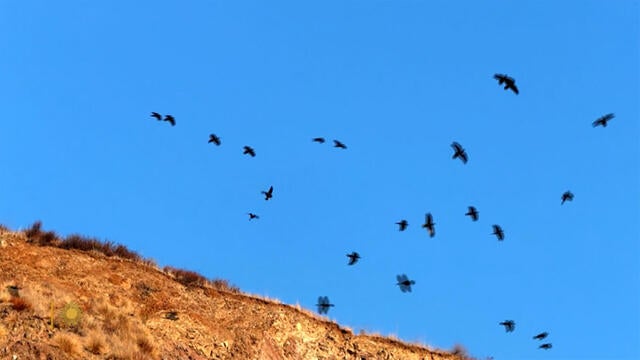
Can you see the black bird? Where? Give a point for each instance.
(603, 120)
(268, 194)
(497, 231)
(253, 216)
(170, 119)
(568, 195)
(473, 213)
(213, 138)
(459, 152)
(429, 224)
(323, 304)
(509, 325)
(404, 283)
(509, 82)
(318, 140)
(338, 144)
(353, 258)
(402, 224)
(156, 115)
(541, 336)
(249, 150)
(546, 346)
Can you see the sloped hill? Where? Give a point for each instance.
(78, 298)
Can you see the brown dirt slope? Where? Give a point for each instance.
(58, 303)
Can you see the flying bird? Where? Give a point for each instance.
(473, 213)
(318, 140)
(353, 258)
(603, 120)
(541, 336)
(546, 346)
(568, 195)
(509, 82)
(459, 152)
(170, 119)
(323, 304)
(213, 138)
(497, 231)
(509, 325)
(338, 144)
(249, 150)
(404, 283)
(253, 216)
(268, 194)
(429, 224)
(156, 115)
(402, 224)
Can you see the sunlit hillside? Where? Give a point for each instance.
(81, 298)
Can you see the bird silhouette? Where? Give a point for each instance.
(603, 120)
(213, 138)
(338, 144)
(323, 304)
(509, 325)
(353, 258)
(473, 213)
(541, 336)
(268, 194)
(404, 283)
(253, 216)
(170, 119)
(568, 195)
(429, 224)
(497, 231)
(546, 346)
(318, 140)
(156, 115)
(249, 150)
(509, 82)
(402, 224)
(459, 152)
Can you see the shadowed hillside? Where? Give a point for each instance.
(80, 298)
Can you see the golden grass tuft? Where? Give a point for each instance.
(67, 344)
(95, 343)
(144, 345)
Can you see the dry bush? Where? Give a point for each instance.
(67, 344)
(43, 238)
(19, 304)
(107, 248)
(186, 277)
(223, 285)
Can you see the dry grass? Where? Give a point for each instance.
(67, 344)
(20, 304)
(144, 345)
(95, 343)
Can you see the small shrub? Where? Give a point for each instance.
(223, 285)
(36, 235)
(107, 248)
(186, 277)
(19, 304)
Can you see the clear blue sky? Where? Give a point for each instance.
(397, 82)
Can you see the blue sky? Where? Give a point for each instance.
(397, 82)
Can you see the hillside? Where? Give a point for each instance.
(79, 298)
